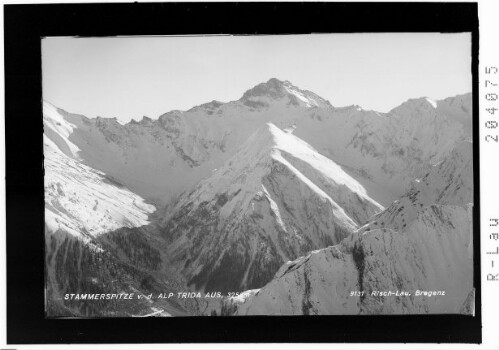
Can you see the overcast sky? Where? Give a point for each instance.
(132, 77)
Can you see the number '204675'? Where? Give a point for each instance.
(491, 96)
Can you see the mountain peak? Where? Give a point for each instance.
(275, 89)
(421, 102)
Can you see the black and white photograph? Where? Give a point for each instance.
(277, 175)
(250, 175)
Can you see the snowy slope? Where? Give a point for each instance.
(58, 130)
(90, 243)
(275, 200)
(83, 201)
(422, 242)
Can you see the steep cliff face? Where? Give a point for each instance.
(449, 182)
(422, 242)
(275, 200)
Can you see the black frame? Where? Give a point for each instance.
(24, 25)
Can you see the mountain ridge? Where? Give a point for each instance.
(276, 86)
(186, 145)
(423, 243)
(258, 191)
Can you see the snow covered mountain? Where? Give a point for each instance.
(159, 159)
(389, 149)
(275, 200)
(449, 182)
(239, 188)
(92, 245)
(422, 242)
(459, 108)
